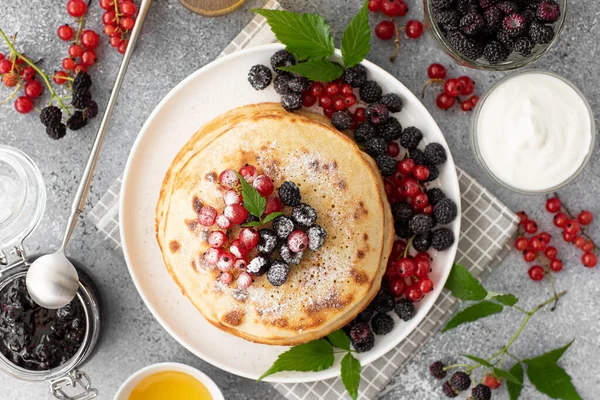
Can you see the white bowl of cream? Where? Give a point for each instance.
(533, 132)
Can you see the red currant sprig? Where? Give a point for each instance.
(82, 53)
(118, 20)
(334, 96)
(453, 88)
(386, 30)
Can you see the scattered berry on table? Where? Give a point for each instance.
(589, 260)
(481, 392)
(460, 380)
(385, 30)
(57, 131)
(436, 370)
(585, 218)
(445, 101)
(382, 324)
(449, 390)
(76, 121)
(536, 273)
(414, 29)
(436, 71)
(51, 116)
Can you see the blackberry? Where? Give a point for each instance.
(464, 45)
(382, 324)
(57, 131)
(76, 121)
(402, 212)
(51, 116)
(364, 132)
(442, 3)
(260, 77)
(377, 113)
(402, 230)
(366, 314)
(418, 157)
(466, 6)
(421, 223)
(540, 33)
(422, 242)
(481, 392)
(91, 111)
(341, 120)
(356, 76)
(405, 309)
(493, 18)
(278, 273)
(449, 20)
(508, 7)
(445, 211)
(267, 242)
(250, 218)
(494, 52)
(370, 92)
(448, 390)
(393, 102)
(387, 165)
(506, 40)
(282, 58)
(292, 101)
(81, 99)
(299, 83)
(472, 23)
(361, 337)
(436, 153)
(289, 194)
(514, 24)
(548, 11)
(258, 266)
(460, 380)
(282, 84)
(390, 129)
(434, 173)
(82, 81)
(436, 370)
(304, 215)
(435, 195)
(289, 256)
(411, 137)
(442, 239)
(524, 46)
(383, 302)
(316, 237)
(487, 3)
(376, 146)
(283, 226)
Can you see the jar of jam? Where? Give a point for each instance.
(37, 344)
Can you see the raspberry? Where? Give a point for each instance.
(390, 129)
(364, 132)
(493, 18)
(51, 116)
(411, 137)
(278, 273)
(481, 392)
(292, 101)
(448, 390)
(437, 370)
(393, 102)
(258, 266)
(356, 76)
(472, 23)
(76, 121)
(376, 146)
(405, 309)
(402, 230)
(442, 239)
(402, 212)
(448, 19)
(361, 337)
(370, 92)
(289, 194)
(249, 237)
(260, 77)
(289, 256)
(282, 84)
(460, 380)
(540, 33)
(283, 226)
(514, 24)
(382, 324)
(442, 3)
(282, 58)
(225, 262)
(297, 241)
(216, 239)
(91, 111)
(386, 164)
(465, 46)
(434, 195)
(494, 52)
(422, 242)
(316, 237)
(82, 81)
(81, 99)
(341, 120)
(487, 3)
(548, 11)
(244, 280)
(236, 213)
(304, 215)
(267, 241)
(298, 83)
(57, 131)
(436, 153)
(445, 211)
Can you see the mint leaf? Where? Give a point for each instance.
(553, 381)
(507, 376)
(312, 356)
(253, 201)
(307, 36)
(351, 374)
(473, 313)
(317, 70)
(339, 339)
(271, 217)
(356, 41)
(550, 357)
(506, 299)
(481, 361)
(514, 390)
(463, 285)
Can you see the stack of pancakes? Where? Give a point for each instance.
(330, 286)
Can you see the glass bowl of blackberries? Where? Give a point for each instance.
(496, 35)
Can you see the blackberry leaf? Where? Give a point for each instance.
(312, 356)
(473, 313)
(351, 375)
(339, 339)
(316, 70)
(356, 41)
(514, 390)
(253, 201)
(463, 285)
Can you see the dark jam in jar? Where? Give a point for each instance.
(33, 337)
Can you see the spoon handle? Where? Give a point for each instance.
(88, 172)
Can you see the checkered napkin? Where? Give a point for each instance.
(486, 227)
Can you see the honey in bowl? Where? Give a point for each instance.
(170, 385)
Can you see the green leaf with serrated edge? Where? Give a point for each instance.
(253, 201)
(339, 339)
(356, 41)
(271, 217)
(507, 376)
(552, 381)
(312, 356)
(473, 313)
(316, 70)
(506, 299)
(252, 224)
(550, 357)
(307, 36)
(514, 390)
(351, 374)
(463, 285)
(481, 361)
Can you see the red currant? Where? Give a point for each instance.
(228, 179)
(33, 89)
(585, 218)
(5, 66)
(421, 201)
(588, 246)
(359, 115)
(397, 249)
(236, 213)
(211, 256)
(410, 187)
(79, 68)
(545, 236)
(238, 249)
(414, 29)
(436, 71)
(240, 264)
(264, 185)
(249, 237)
(553, 205)
(65, 32)
(88, 57)
(23, 104)
(76, 8)
(68, 63)
(467, 85)
(522, 217)
(225, 262)
(207, 216)
(428, 210)
(536, 273)
(589, 260)
(350, 100)
(248, 172)
(391, 8)
(530, 227)
(274, 204)
(223, 222)
(423, 267)
(375, 5)
(406, 267)
(393, 149)
(325, 102)
(244, 280)
(425, 285)
(226, 278)
(579, 242)
(332, 89)
(113, 32)
(421, 172)
(572, 226)
(308, 100)
(444, 101)
(414, 293)
(521, 244)
(107, 4)
(466, 105)
(452, 87)
(297, 241)
(556, 265)
(109, 19)
(232, 197)
(551, 252)
(28, 73)
(339, 104)
(385, 30)
(560, 220)
(126, 23)
(347, 90)
(403, 10)
(75, 50)
(89, 39)
(406, 166)
(474, 100)
(529, 255)
(217, 239)
(397, 287)
(59, 77)
(122, 46)
(317, 89)
(569, 237)
(536, 244)
(328, 112)
(127, 8)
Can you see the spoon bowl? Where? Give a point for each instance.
(52, 281)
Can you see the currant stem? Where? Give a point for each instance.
(568, 212)
(446, 368)
(551, 279)
(397, 41)
(408, 246)
(10, 96)
(429, 82)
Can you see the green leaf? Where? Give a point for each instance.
(506, 299)
(356, 41)
(339, 339)
(463, 285)
(307, 36)
(514, 390)
(507, 376)
(473, 313)
(553, 381)
(312, 356)
(252, 224)
(548, 358)
(253, 201)
(351, 374)
(317, 70)
(271, 217)
(481, 361)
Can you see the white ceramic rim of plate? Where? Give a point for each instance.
(424, 306)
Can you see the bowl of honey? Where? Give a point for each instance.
(169, 381)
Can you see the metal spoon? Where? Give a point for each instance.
(52, 280)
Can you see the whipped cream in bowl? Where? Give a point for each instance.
(533, 132)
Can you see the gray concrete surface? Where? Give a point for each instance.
(175, 43)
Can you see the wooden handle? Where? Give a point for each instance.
(212, 8)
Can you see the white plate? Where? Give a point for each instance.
(207, 93)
